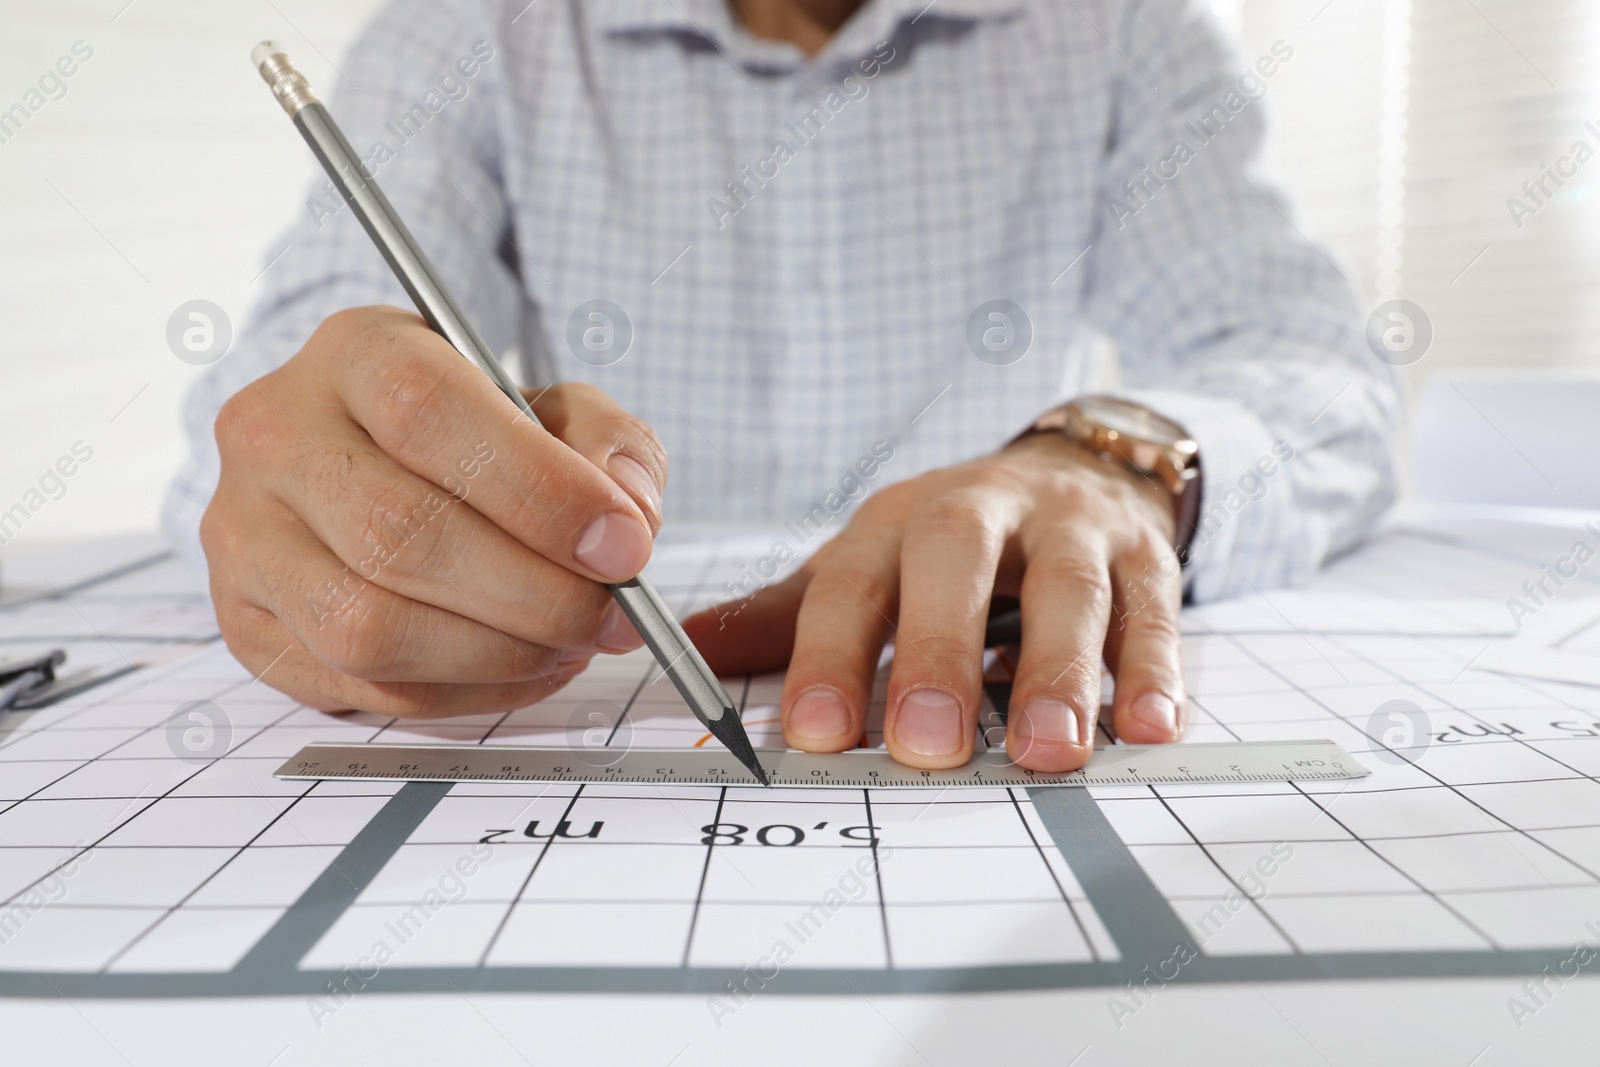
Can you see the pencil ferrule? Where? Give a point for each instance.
(288, 85)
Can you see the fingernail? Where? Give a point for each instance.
(1050, 721)
(819, 715)
(929, 722)
(631, 475)
(616, 632)
(1154, 709)
(573, 655)
(614, 546)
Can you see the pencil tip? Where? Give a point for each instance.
(730, 731)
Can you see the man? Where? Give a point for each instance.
(818, 247)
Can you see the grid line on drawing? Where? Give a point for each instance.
(1437, 898)
(1210, 855)
(1517, 739)
(991, 735)
(544, 851)
(877, 879)
(705, 872)
(1425, 687)
(140, 924)
(173, 909)
(1450, 903)
(117, 822)
(1077, 919)
(1326, 810)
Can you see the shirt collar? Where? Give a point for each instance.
(713, 21)
(635, 16)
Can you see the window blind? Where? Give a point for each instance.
(1447, 152)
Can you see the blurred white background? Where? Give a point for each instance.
(165, 173)
(162, 175)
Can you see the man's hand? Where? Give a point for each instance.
(1086, 544)
(391, 533)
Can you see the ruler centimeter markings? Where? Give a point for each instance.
(1239, 761)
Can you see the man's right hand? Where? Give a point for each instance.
(391, 533)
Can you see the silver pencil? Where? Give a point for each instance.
(672, 648)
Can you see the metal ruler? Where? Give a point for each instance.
(1260, 761)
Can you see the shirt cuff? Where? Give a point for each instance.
(1239, 460)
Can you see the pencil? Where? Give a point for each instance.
(666, 640)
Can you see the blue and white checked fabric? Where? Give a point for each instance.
(798, 246)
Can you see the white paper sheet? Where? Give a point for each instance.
(136, 863)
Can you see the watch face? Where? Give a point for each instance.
(1131, 420)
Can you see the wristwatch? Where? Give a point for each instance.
(1122, 431)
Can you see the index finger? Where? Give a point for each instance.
(425, 405)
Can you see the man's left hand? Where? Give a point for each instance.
(1084, 542)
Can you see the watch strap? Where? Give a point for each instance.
(1188, 515)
